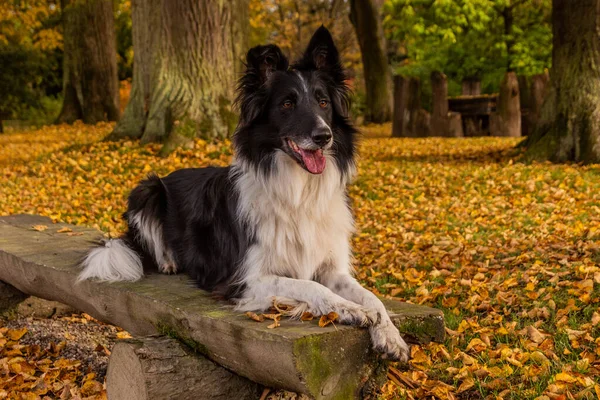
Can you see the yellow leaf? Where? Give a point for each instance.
(467, 384)
(16, 334)
(123, 335)
(327, 319)
(565, 377)
(39, 228)
(255, 317)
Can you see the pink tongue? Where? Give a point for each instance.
(314, 160)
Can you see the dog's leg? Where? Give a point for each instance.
(385, 336)
(318, 299)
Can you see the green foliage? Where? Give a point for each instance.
(19, 80)
(469, 38)
(30, 56)
(124, 35)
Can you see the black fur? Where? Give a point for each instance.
(197, 208)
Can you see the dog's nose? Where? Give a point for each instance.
(321, 137)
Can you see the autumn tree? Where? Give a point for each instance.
(90, 84)
(366, 18)
(29, 42)
(186, 55)
(569, 126)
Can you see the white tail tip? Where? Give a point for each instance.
(113, 262)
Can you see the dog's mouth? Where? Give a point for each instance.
(311, 160)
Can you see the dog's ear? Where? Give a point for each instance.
(321, 53)
(262, 61)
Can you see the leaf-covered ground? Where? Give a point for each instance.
(509, 251)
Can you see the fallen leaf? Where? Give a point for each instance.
(255, 317)
(327, 319)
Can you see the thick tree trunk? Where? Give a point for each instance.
(186, 57)
(366, 19)
(569, 125)
(90, 82)
(506, 121)
(471, 87)
(401, 115)
(156, 367)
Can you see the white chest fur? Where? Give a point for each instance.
(301, 222)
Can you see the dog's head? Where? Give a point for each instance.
(300, 109)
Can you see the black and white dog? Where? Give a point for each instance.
(276, 224)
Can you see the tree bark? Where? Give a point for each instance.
(506, 121)
(366, 19)
(439, 111)
(401, 116)
(569, 125)
(157, 367)
(471, 87)
(187, 54)
(90, 82)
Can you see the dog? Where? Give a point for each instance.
(276, 224)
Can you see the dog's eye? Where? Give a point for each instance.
(287, 104)
(323, 103)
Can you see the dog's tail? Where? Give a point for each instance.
(114, 261)
(121, 259)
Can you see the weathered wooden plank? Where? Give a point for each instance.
(158, 367)
(332, 362)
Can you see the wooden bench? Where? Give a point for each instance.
(206, 350)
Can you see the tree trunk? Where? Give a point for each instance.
(186, 57)
(539, 91)
(569, 125)
(366, 19)
(401, 116)
(161, 368)
(90, 82)
(525, 103)
(506, 121)
(471, 87)
(439, 111)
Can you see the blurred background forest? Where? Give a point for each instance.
(473, 42)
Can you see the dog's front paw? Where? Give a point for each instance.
(354, 314)
(387, 340)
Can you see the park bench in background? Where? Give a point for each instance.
(189, 345)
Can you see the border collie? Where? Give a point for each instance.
(276, 224)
